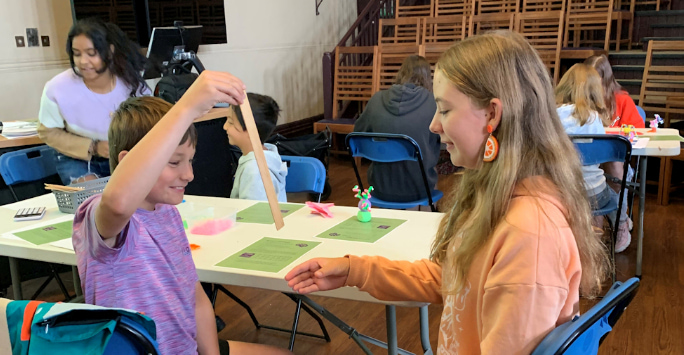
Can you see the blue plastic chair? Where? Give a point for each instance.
(584, 334)
(642, 113)
(130, 337)
(304, 174)
(26, 165)
(599, 149)
(390, 148)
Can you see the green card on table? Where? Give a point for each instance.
(355, 231)
(268, 254)
(261, 212)
(47, 234)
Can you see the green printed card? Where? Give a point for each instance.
(47, 234)
(268, 254)
(368, 232)
(261, 212)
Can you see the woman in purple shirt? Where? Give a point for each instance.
(76, 104)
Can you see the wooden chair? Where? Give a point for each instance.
(543, 30)
(597, 15)
(444, 29)
(390, 58)
(413, 10)
(543, 5)
(454, 7)
(497, 6)
(354, 78)
(488, 22)
(405, 30)
(432, 51)
(665, 180)
(662, 85)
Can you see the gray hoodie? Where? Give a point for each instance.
(248, 184)
(402, 109)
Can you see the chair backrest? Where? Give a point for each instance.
(414, 10)
(662, 86)
(444, 29)
(304, 174)
(584, 334)
(355, 70)
(602, 148)
(544, 31)
(489, 22)
(497, 6)
(383, 147)
(642, 113)
(130, 337)
(27, 165)
(454, 7)
(543, 5)
(403, 30)
(390, 58)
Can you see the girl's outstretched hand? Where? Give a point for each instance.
(209, 89)
(318, 274)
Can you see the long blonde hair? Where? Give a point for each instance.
(610, 85)
(532, 143)
(581, 86)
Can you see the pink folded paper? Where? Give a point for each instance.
(320, 208)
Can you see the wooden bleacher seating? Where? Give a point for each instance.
(403, 10)
(444, 29)
(390, 58)
(597, 15)
(662, 85)
(404, 30)
(488, 22)
(544, 30)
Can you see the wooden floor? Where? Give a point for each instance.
(653, 324)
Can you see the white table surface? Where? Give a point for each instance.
(410, 241)
(656, 148)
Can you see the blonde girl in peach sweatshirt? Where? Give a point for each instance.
(513, 252)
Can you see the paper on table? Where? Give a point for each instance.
(640, 143)
(261, 212)
(64, 244)
(46, 232)
(48, 201)
(268, 254)
(368, 232)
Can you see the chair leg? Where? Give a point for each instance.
(67, 296)
(16, 199)
(42, 287)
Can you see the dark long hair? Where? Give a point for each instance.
(126, 62)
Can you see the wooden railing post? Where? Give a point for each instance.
(328, 83)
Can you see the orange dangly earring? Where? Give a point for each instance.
(492, 147)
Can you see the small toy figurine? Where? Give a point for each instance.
(364, 214)
(322, 209)
(654, 123)
(629, 131)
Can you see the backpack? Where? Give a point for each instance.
(172, 86)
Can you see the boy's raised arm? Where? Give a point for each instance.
(137, 173)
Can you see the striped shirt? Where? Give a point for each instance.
(149, 269)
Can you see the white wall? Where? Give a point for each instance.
(274, 46)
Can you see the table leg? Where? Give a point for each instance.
(77, 281)
(642, 207)
(391, 318)
(16, 279)
(425, 330)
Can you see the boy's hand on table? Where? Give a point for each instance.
(319, 274)
(210, 88)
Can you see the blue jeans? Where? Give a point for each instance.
(70, 169)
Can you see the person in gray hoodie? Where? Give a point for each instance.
(407, 107)
(248, 184)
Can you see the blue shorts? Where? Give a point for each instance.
(70, 169)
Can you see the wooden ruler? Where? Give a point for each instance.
(248, 116)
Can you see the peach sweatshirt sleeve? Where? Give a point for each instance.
(389, 280)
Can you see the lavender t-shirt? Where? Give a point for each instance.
(85, 113)
(149, 269)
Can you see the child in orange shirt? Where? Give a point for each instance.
(512, 253)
